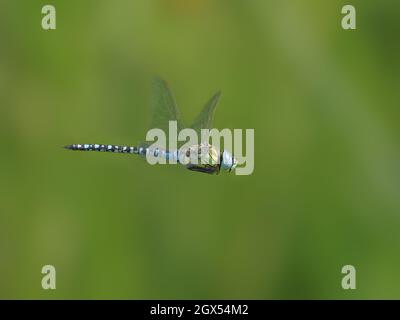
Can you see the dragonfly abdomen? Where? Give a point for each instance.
(141, 151)
(106, 148)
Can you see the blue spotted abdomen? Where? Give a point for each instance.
(104, 148)
(142, 151)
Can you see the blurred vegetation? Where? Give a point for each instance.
(324, 104)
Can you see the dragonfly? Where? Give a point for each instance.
(202, 157)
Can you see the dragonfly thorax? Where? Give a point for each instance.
(202, 154)
(206, 158)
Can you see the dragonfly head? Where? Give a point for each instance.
(228, 161)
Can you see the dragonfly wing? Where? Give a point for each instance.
(163, 107)
(205, 119)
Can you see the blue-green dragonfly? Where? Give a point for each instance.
(164, 109)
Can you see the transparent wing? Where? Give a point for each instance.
(205, 119)
(163, 107)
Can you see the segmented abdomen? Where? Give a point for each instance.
(106, 148)
(142, 151)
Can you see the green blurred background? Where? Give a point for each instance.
(324, 103)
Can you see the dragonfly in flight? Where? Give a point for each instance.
(202, 157)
